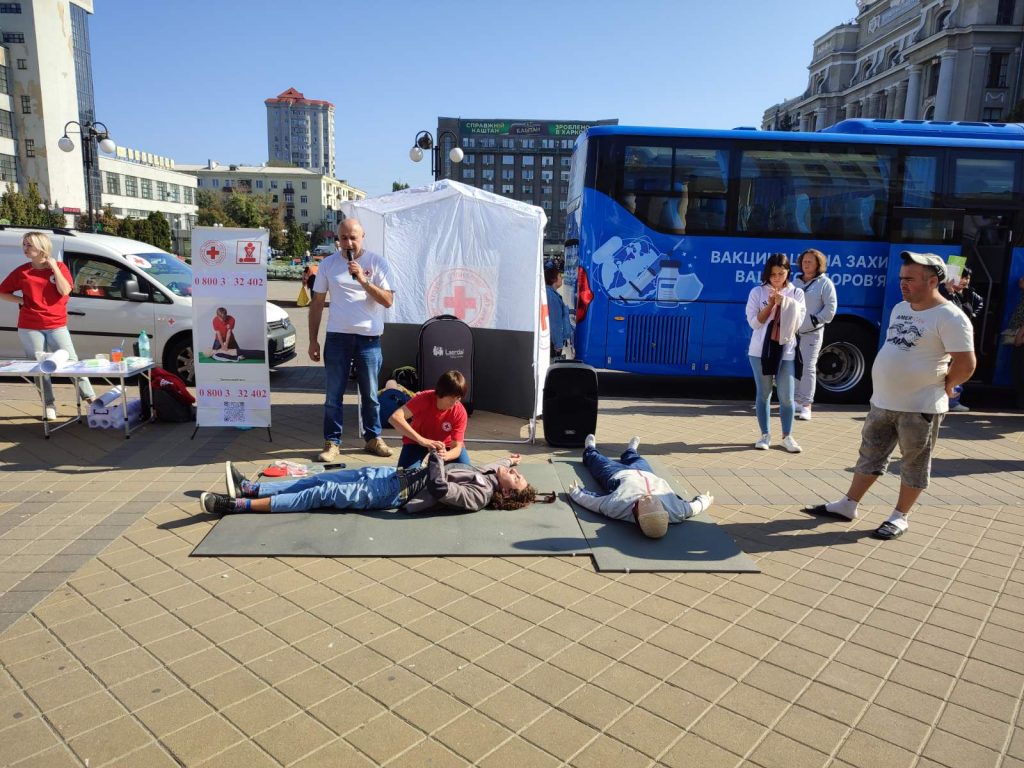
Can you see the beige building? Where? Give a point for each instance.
(134, 184)
(308, 199)
(45, 82)
(913, 60)
(301, 131)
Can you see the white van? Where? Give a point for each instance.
(121, 287)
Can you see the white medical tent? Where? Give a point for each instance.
(455, 249)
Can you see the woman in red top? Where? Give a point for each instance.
(224, 343)
(439, 423)
(43, 318)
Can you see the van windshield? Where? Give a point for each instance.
(166, 269)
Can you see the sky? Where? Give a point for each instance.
(187, 79)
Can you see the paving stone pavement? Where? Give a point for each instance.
(118, 649)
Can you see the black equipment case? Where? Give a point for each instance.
(446, 343)
(570, 403)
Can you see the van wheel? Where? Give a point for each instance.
(180, 360)
(844, 364)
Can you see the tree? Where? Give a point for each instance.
(296, 243)
(22, 209)
(786, 123)
(1017, 113)
(210, 210)
(397, 186)
(160, 229)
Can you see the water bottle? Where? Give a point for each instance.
(143, 345)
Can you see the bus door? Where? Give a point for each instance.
(921, 230)
(988, 246)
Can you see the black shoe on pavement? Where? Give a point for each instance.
(216, 504)
(233, 479)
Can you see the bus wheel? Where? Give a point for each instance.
(844, 365)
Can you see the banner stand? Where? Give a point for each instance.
(270, 437)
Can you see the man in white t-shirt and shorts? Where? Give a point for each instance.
(359, 282)
(928, 350)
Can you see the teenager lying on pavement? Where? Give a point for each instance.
(497, 485)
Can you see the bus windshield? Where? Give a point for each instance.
(170, 271)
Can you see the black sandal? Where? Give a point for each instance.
(821, 510)
(887, 531)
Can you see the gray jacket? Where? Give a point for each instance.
(458, 486)
(820, 299)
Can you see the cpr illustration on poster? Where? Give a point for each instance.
(229, 321)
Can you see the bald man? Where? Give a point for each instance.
(359, 282)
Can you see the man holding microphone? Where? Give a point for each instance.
(359, 283)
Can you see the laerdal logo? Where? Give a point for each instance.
(454, 354)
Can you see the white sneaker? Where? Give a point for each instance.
(960, 408)
(790, 444)
(764, 443)
(590, 442)
(803, 413)
(634, 443)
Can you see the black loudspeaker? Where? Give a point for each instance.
(570, 403)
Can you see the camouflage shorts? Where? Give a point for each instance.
(915, 433)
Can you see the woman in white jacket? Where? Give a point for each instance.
(775, 310)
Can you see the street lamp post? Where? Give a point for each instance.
(424, 142)
(92, 133)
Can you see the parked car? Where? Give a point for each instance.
(120, 287)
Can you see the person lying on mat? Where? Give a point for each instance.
(438, 422)
(497, 485)
(633, 491)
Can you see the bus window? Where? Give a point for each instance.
(828, 194)
(983, 178)
(679, 190)
(920, 180)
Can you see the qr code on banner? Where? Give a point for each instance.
(234, 412)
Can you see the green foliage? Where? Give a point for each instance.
(296, 243)
(397, 186)
(160, 229)
(250, 211)
(21, 209)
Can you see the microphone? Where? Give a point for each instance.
(351, 257)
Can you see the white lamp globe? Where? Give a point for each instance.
(108, 145)
(456, 155)
(66, 144)
(415, 154)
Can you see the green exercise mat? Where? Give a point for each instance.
(540, 529)
(696, 544)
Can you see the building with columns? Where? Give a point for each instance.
(912, 60)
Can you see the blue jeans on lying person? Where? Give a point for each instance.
(412, 456)
(363, 488)
(602, 468)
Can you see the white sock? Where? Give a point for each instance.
(898, 519)
(634, 443)
(845, 506)
(701, 503)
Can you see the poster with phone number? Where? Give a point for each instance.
(229, 327)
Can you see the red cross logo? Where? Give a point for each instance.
(213, 252)
(460, 302)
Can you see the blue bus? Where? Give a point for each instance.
(668, 230)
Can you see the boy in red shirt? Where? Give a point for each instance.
(440, 422)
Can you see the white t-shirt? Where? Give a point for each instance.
(352, 309)
(909, 373)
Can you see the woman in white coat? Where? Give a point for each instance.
(775, 310)
(820, 300)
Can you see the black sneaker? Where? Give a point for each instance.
(216, 504)
(233, 479)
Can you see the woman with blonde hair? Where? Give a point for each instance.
(820, 300)
(45, 284)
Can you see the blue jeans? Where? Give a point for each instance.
(785, 383)
(33, 341)
(602, 468)
(341, 351)
(412, 456)
(363, 488)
